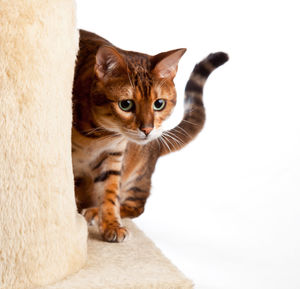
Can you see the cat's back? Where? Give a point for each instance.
(92, 39)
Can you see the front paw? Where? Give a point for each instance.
(114, 233)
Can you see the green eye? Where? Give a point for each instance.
(126, 105)
(159, 104)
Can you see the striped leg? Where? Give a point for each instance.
(106, 186)
(109, 213)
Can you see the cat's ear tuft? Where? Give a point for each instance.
(165, 64)
(109, 62)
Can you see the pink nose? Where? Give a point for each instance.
(146, 130)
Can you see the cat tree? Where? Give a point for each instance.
(42, 238)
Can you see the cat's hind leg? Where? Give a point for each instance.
(133, 201)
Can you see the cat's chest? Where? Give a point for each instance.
(86, 152)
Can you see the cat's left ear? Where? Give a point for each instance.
(165, 64)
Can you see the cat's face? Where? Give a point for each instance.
(128, 111)
(134, 96)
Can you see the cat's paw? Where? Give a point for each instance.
(91, 215)
(115, 233)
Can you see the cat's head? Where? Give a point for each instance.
(134, 93)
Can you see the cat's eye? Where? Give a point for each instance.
(159, 104)
(126, 105)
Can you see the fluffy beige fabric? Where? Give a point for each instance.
(134, 264)
(42, 239)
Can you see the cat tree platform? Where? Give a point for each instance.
(135, 264)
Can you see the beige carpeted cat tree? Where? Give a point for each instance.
(42, 238)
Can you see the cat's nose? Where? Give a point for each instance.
(146, 130)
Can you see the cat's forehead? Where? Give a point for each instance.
(138, 82)
(138, 62)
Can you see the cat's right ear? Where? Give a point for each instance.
(109, 62)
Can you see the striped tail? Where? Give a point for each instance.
(194, 112)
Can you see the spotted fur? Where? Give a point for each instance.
(114, 151)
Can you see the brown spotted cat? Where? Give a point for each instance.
(120, 99)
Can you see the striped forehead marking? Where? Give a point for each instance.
(139, 70)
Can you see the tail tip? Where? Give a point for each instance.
(217, 59)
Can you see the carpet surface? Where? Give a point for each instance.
(135, 264)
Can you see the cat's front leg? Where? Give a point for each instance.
(109, 220)
(110, 225)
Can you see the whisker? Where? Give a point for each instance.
(107, 137)
(176, 138)
(171, 133)
(172, 142)
(168, 142)
(164, 142)
(177, 142)
(183, 130)
(157, 140)
(178, 131)
(191, 122)
(91, 130)
(131, 132)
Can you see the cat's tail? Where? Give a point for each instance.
(194, 112)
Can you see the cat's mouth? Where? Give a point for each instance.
(140, 138)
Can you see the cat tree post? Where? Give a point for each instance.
(42, 238)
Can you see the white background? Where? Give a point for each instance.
(225, 209)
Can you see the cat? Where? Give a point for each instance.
(120, 100)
